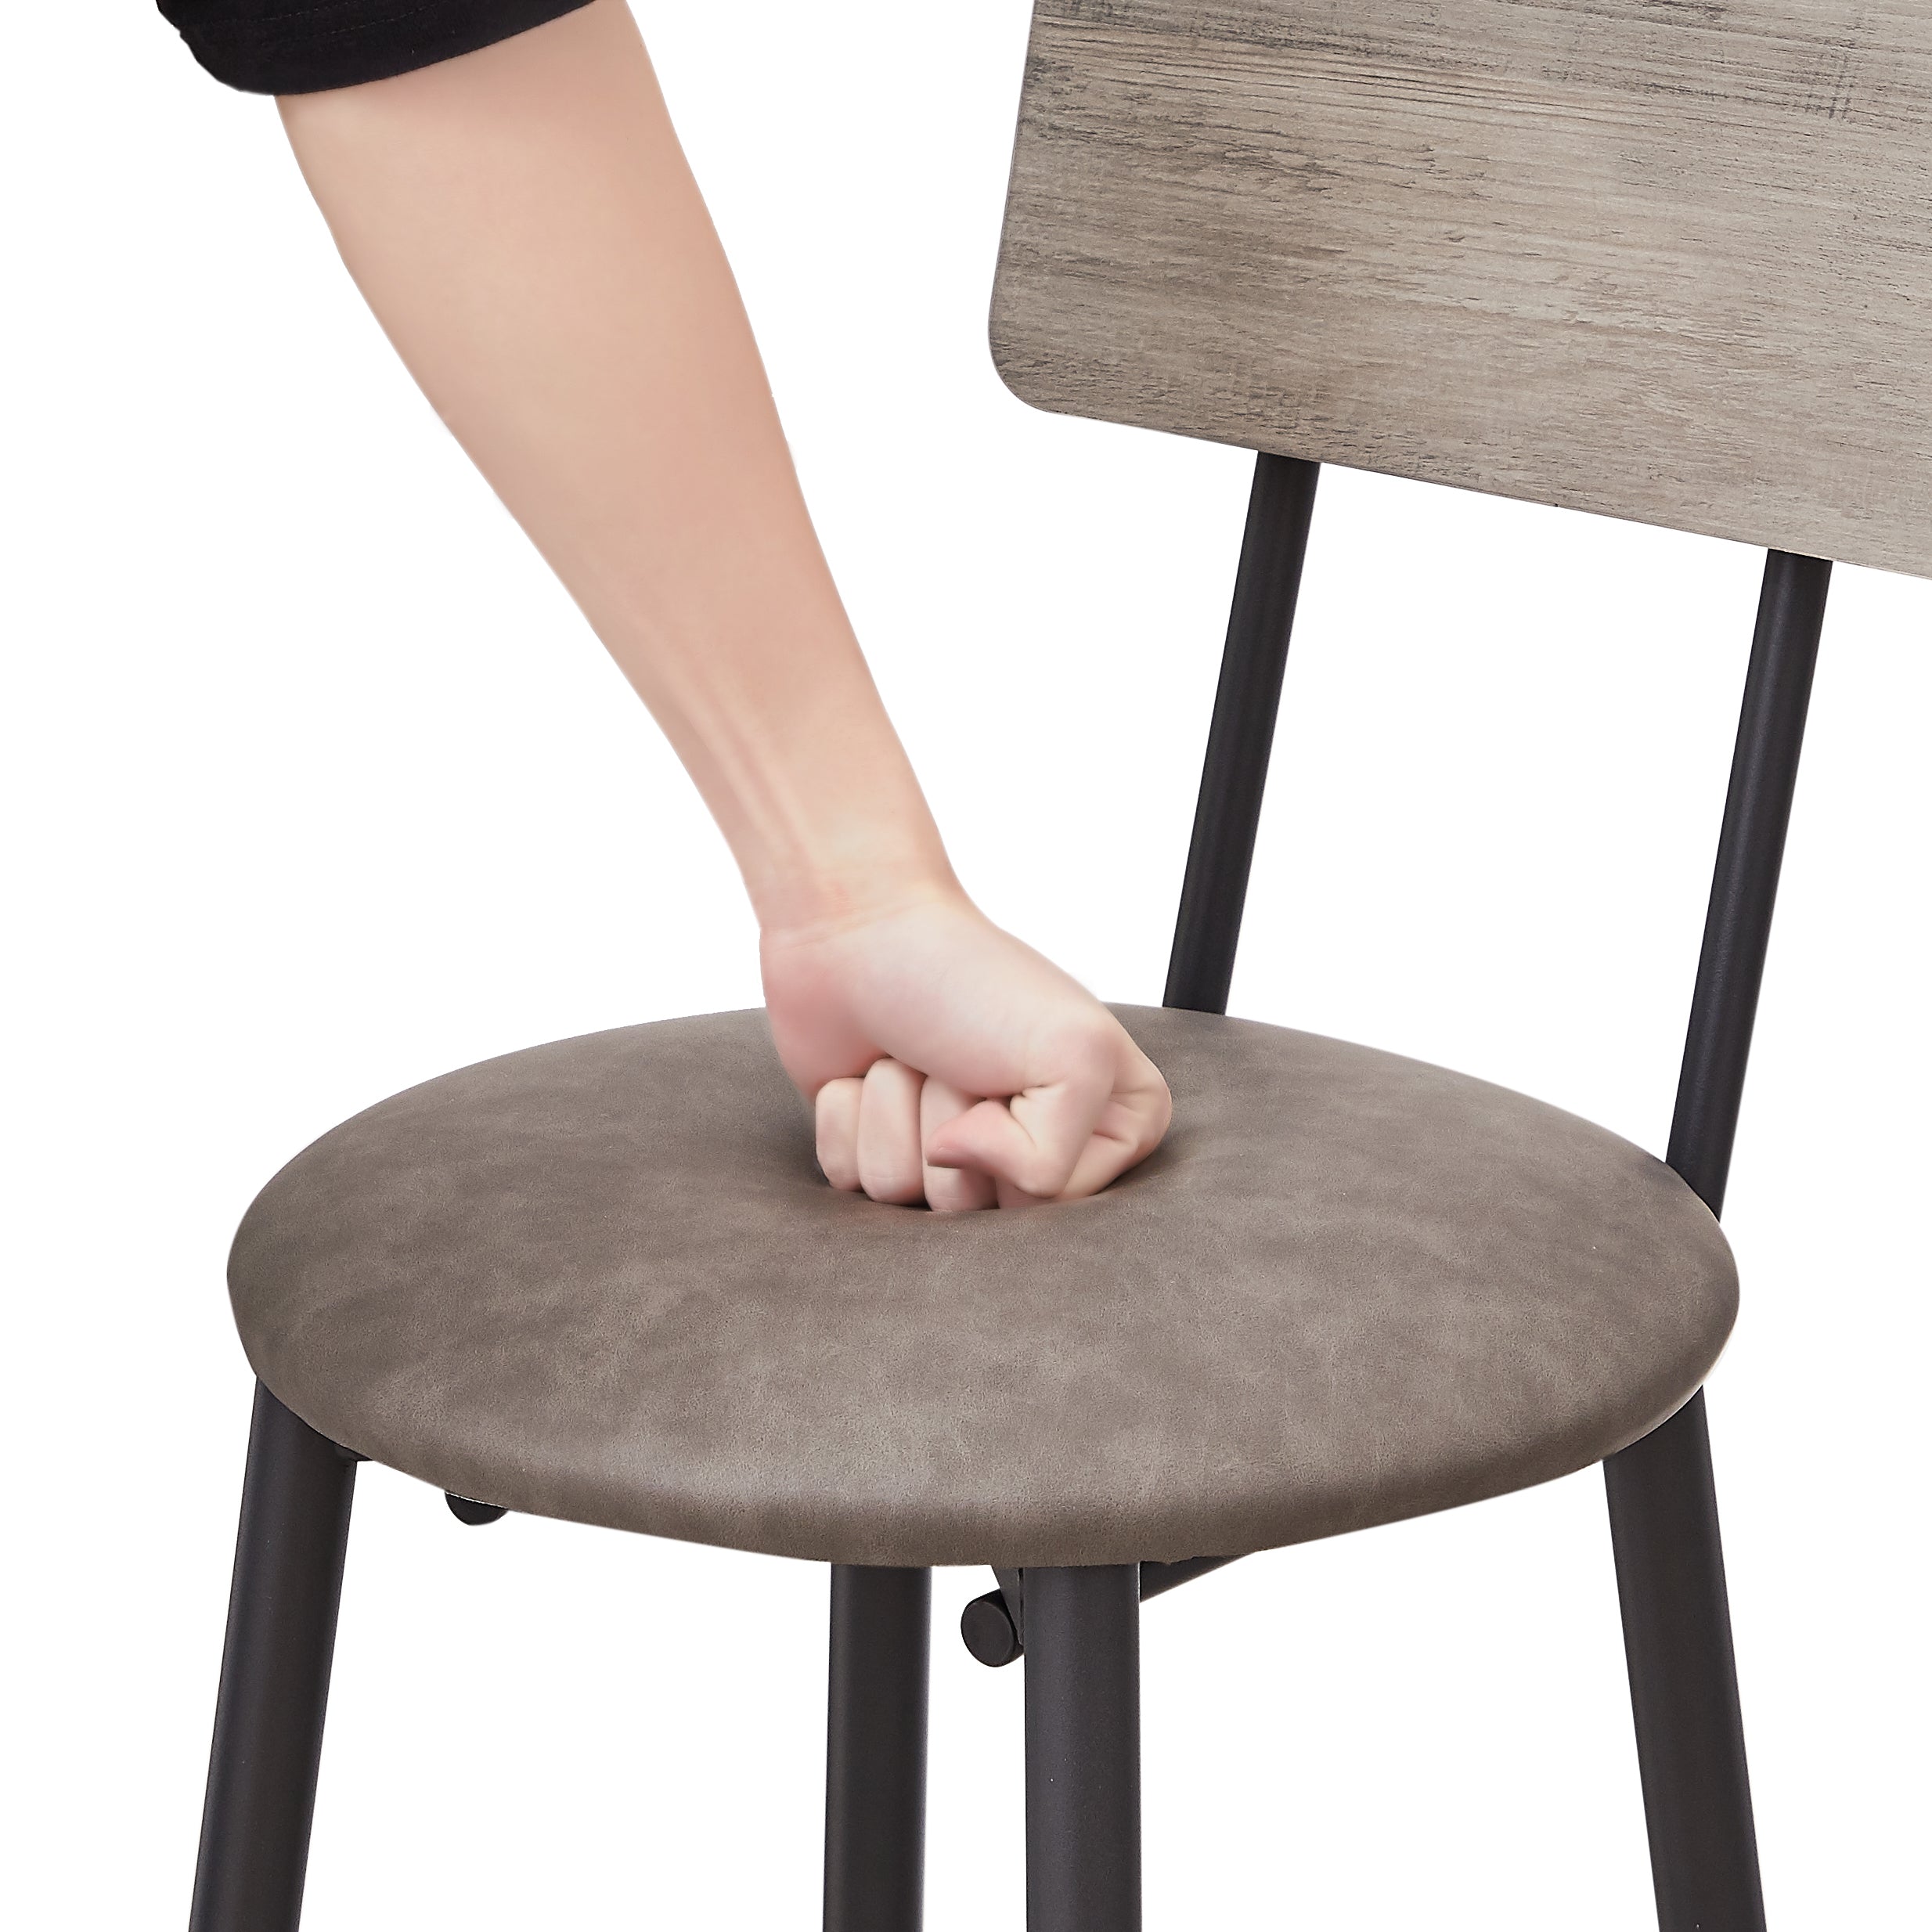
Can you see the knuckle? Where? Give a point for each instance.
(1088, 1040)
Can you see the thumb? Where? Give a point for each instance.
(1034, 1141)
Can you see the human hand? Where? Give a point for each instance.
(946, 1061)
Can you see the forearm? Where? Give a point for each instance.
(524, 224)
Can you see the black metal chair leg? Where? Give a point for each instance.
(875, 1755)
(275, 1677)
(1664, 1504)
(1683, 1679)
(1084, 1749)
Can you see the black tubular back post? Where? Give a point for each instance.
(274, 1676)
(1084, 1749)
(1663, 1501)
(1750, 854)
(875, 1749)
(1235, 773)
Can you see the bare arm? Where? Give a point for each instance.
(524, 224)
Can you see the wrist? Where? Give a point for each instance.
(812, 902)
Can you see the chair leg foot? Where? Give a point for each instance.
(275, 1677)
(875, 1754)
(1683, 1679)
(1084, 1749)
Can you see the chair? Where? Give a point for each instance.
(1661, 264)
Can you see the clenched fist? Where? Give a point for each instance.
(948, 1063)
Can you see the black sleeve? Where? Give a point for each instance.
(287, 47)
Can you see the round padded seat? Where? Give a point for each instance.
(604, 1280)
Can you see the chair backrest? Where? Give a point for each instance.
(1669, 260)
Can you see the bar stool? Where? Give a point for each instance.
(1663, 267)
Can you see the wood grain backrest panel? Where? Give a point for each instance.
(1669, 260)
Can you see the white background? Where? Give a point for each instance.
(316, 784)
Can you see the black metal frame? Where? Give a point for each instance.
(289, 1554)
(993, 1627)
(1663, 1497)
(1084, 1749)
(875, 1749)
(1234, 773)
(1079, 1628)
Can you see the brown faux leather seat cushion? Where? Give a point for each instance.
(604, 1280)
